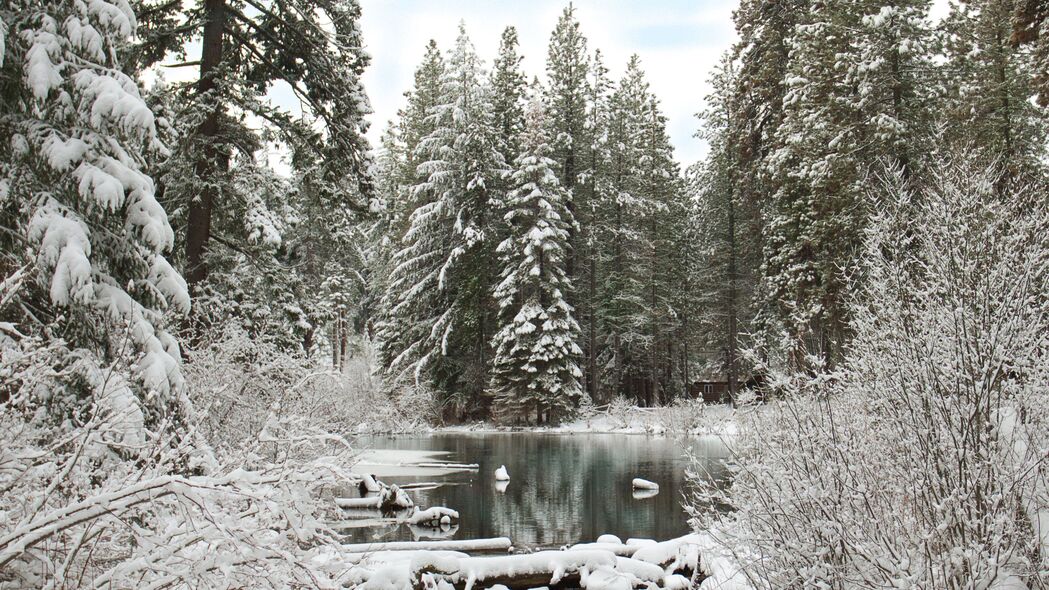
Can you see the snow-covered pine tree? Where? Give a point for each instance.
(626, 281)
(812, 222)
(723, 305)
(594, 197)
(83, 239)
(756, 101)
(989, 85)
(666, 256)
(535, 372)
(444, 268)
(567, 67)
(508, 95)
(402, 318)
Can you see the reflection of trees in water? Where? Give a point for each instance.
(546, 489)
(707, 475)
(563, 488)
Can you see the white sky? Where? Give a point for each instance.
(679, 41)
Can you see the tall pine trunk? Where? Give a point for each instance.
(211, 159)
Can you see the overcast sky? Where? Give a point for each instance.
(679, 42)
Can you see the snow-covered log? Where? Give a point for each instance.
(390, 499)
(593, 566)
(492, 544)
(434, 517)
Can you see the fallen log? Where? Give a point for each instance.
(520, 572)
(390, 499)
(443, 465)
(465, 545)
(616, 548)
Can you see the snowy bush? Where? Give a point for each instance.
(685, 415)
(237, 381)
(94, 496)
(922, 462)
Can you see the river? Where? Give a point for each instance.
(563, 488)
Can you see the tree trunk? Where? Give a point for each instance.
(211, 160)
(732, 359)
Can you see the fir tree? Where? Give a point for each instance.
(535, 369)
(84, 242)
(443, 275)
(508, 95)
(989, 87)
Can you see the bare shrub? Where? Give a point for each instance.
(921, 463)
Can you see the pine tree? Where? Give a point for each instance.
(757, 111)
(989, 81)
(813, 220)
(724, 309)
(626, 282)
(535, 368)
(594, 197)
(442, 274)
(567, 67)
(84, 242)
(662, 183)
(313, 48)
(508, 95)
(397, 326)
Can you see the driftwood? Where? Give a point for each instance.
(465, 545)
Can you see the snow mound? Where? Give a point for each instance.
(501, 474)
(644, 484)
(433, 517)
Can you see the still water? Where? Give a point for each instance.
(563, 488)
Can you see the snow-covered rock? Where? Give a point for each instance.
(502, 474)
(675, 554)
(644, 484)
(610, 539)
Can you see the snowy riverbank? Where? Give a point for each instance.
(691, 418)
(692, 561)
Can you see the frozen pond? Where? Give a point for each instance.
(563, 488)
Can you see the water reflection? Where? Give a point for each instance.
(564, 488)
